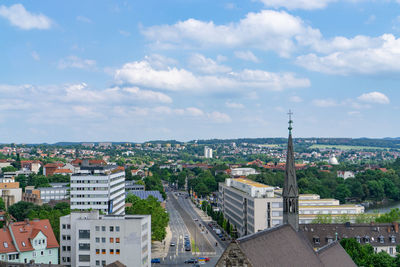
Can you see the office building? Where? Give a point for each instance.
(243, 171)
(57, 191)
(90, 239)
(132, 185)
(23, 242)
(208, 152)
(100, 187)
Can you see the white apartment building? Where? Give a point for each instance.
(243, 171)
(252, 206)
(88, 239)
(208, 152)
(99, 188)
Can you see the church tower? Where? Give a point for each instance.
(290, 190)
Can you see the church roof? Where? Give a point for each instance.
(283, 246)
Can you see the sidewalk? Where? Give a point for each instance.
(158, 249)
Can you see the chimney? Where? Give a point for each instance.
(396, 227)
(388, 229)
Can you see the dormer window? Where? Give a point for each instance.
(23, 244)
(316, 240)
(5, 244)
(329, 239)
(366, 239)
(358, 239)
(381, 239)
(393, 239)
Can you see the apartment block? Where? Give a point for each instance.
(252, 206)
(90, 239)
(99, 188)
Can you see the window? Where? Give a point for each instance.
(97, 239)
(34, 254)
(393, 239)
(111, 228)
(103, 251)
(97, 263)
(68, 248)
(42, 253)
(49, 251)
(316, 240)
(97, 228)
(97, 251)
(64, 248)
(103, 240)
(64, 226)
(103, 228)
(381, 239)
(68, 226)
(84, 258)
(5, 244)
(391, 251)
(117, 251)
(117, 228)
(84, 246)
(111, 240)
(111, 251)
(84, 234)
(103, 263)
(117, 240)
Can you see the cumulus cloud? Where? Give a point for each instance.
(246, 55)
(18, 16)
(360, 55)
(374, 97)
(76, 62)
(207, 65)
(143, 74)
(266, 30)
(219, 117)
(295, 99)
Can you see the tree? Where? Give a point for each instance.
(2, 205)
(342, 192)
(8, 169)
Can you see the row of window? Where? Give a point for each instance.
(111, 251)
(103, 228)
(66, 226)
(103, 240)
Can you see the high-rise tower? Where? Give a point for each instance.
(290, 190)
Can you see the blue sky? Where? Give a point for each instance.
(198, 69)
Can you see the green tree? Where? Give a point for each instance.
(8, 169)
(342, 192)
(2, 205)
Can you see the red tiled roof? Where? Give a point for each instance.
(5, 237)
(25, 231)
(91, 161)
(62, 171)
(53, 165)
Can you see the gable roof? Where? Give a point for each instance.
(5, 237)
(331, 253)
(28, 230)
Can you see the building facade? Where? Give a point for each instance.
(57, 191)
(27, 241)
(243, 171)
(208, 152)
(132, 185)
(99, 188)
(90, 239)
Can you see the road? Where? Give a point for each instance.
(182, 215)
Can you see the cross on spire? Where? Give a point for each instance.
(290, 121)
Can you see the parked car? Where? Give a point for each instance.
(191, 261)
(172, 244)
(188, 248)
(155, 260)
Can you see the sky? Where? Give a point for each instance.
(198, 69)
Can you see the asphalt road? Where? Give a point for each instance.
(182, 223)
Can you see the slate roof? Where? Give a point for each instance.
(283, 246)
(373, 232)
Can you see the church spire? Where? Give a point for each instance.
(290, 190)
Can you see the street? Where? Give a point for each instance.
(182, 222)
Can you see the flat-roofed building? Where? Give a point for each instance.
(90, 239)
(57, 191)
(98, 187)
(252, 206)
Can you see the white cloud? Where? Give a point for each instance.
(324, 103)
(360, 55)
(374, 97)
(83, 19)
(148, 95)
(76, 62)
(207, 65)
(18, 16)
(143, 74)
(234, 105)
(266, 30)
(194, 111)
(295, 99)
(219, 117)
(246, 55)
(35, 55)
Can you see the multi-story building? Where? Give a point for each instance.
(32, 195)
(132, 185)
(252, 206)
(57, 191)
(98, 187)
(208, 152)
(10, 193)
(90, 239)
(249, 206)
(27, 241)
(243, 171)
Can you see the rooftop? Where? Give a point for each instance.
(252, 183)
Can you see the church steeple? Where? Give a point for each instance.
(290, 190)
